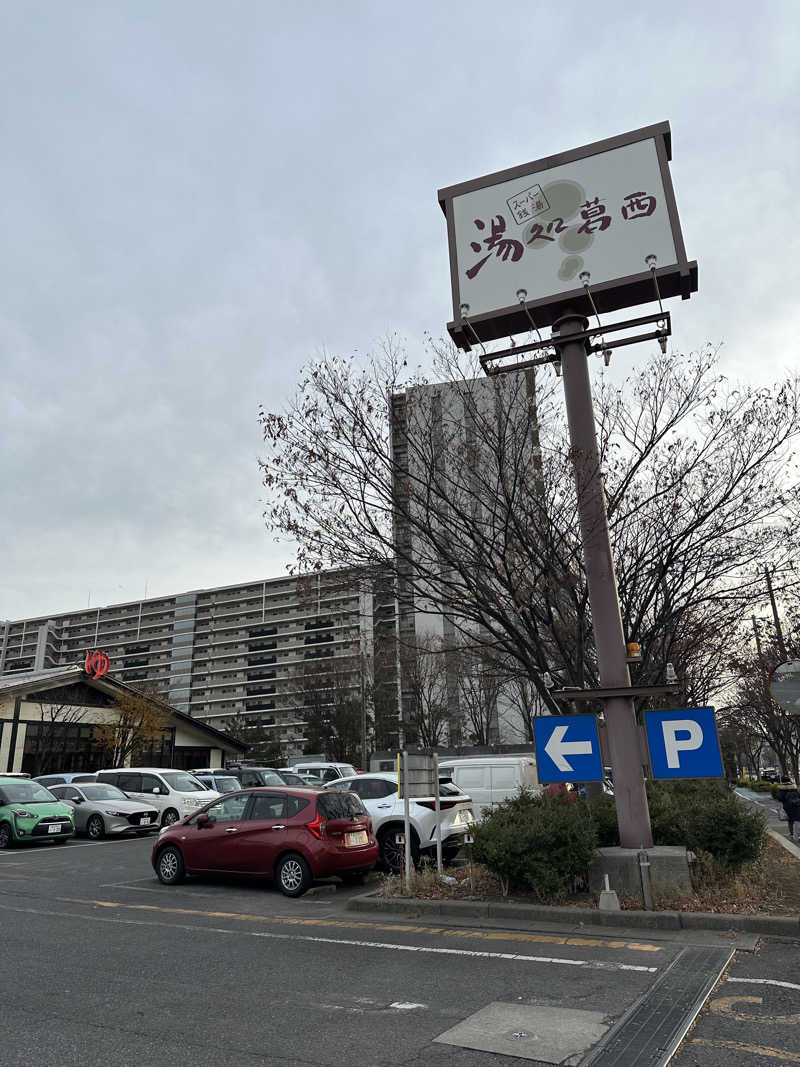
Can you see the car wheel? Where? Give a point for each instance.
(170, 817)
(393, 855)
(169, 865)
(293, 875)
(95, 827)
(5, 835)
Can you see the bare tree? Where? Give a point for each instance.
(137, 719)
(473, 510)
(45, 736)
(427, 687)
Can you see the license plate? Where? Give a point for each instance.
(145, 820)
(54, 828)
(359, 838)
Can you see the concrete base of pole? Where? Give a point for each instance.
(670, 874)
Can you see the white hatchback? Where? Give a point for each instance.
(378, 792)
(174, 793)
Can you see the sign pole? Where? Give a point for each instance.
(438, 808)
(621, 727)
(406, 822)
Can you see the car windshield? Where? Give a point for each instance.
(226, 785)
(340, 806)
(25, 792)
(346, 769)
(184, 783)
(102, 792)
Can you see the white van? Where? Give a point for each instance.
(489, 780)
(174, 793)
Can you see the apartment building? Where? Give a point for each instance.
(457, 446)
(252, 649)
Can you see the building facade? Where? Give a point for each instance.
(251, 650)
(456, 446)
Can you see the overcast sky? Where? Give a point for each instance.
(198, 197)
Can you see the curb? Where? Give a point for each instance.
(784, 925)
(790, 846)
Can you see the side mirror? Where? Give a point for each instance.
(77, 800)
(156, 789)
(203, 820)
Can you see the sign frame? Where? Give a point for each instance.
(675, 279)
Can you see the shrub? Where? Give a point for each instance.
(705, 816)
(537, 843)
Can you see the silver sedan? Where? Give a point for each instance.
(101, 809)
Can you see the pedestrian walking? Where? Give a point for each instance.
(790, 799)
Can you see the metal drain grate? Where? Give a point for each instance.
(649, 1034)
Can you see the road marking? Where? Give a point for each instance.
(402, 1006)
(766, 981)
(726, 1006)
(751, 1050)
(424, 949)
(286, 920)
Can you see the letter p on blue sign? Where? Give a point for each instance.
(684, 744)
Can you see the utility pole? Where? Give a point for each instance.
(621, 726)
(778, 631)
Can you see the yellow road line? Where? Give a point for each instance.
(750, 1050)
(285, 920)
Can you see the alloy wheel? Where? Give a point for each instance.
(168, 865)
(291, 875)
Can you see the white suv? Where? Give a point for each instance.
(379, 796)
(174, 793)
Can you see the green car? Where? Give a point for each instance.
(30, 813)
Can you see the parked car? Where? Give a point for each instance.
(291, 777)
(65, 777)
(174, 793)
(327, 772)
(291, 836)
(490, 780)
(100, 809)
(254, 776)
(379, 794)
(217, 779)
(30, 814)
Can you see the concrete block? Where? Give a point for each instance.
(609, 901)
(669, 871)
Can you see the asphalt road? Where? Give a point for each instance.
(103, 965)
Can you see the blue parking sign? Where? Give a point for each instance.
(684, 743)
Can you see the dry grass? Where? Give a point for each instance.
(770, 886)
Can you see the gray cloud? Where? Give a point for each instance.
(196, 198)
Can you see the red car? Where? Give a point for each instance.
(289, 835)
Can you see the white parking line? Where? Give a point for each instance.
(424, 949)
(765, 981)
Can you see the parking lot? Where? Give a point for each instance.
(103, 965)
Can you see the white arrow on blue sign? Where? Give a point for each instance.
(567, 748)
(684, 743)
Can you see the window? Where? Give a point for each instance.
(338, 805)
(373, 788)
(229, 809)
(128, 783)
(150, 784)
(268, 806)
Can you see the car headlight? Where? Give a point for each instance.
(117, 814)
(22, 813)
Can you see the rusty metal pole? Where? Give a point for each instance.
(622, 729)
